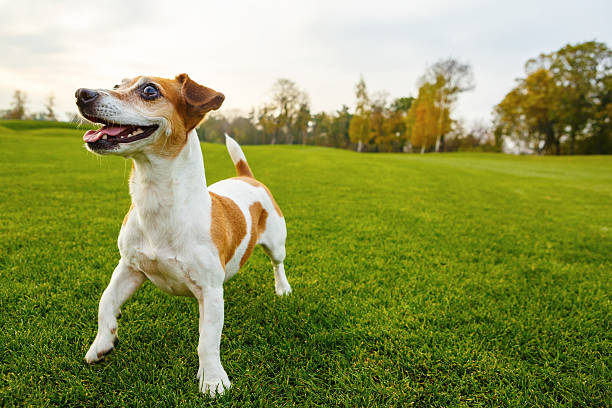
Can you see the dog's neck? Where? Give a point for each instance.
(163, 187)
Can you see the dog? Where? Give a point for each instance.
(185, 237)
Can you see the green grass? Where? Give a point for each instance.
(42, 124)
(431, 280)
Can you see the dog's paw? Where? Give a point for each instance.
(213, 387)
(282, 290)
(100, 349)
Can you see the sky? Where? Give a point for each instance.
(241, 47)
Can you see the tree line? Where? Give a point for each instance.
(376, 124)
(18, 109)
(563, 105)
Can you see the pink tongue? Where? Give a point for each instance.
(94, 135)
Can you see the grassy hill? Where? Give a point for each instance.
(432, 280)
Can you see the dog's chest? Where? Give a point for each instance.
(158, 238)
(164, 268)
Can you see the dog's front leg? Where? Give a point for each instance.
(212, 376)
(123, 284)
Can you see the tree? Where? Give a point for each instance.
(302, 119)
(448, 78)
(478, 136)
(579, 72)
(243, 130)
(320, 129)
(563, 100)
(288, 102)
(427, 119)
(402, 104)
(529, 113)
(359, 128)
(601, 141)
(18, 106)
(378, 107)
(268, 124)
(339, 128)
(396, 121)
(49, 105)
(214, 128)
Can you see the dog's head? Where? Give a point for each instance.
(145, 114)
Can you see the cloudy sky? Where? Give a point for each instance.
(240, 48)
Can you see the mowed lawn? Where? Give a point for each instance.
(418, 280)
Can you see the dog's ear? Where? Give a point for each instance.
(198, 100)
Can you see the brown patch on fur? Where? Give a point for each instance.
(127, 215)
(257, 183)
(174, 112)
(243, 169)
(113, 330)
(227, 228)
(188, 104)
(199, 100)
(258, 225)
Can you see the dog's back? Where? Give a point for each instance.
(251, 215)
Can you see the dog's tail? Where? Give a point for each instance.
(240, 161)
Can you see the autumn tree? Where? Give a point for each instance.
(379, 135)
(359, 128)
(18, 106)
(427, 119)
(529, 112)
(564, 96)
(448, 79)
(268, 124)
(395, 124)
(579, 72)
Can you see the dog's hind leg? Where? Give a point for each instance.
(123, 284)
(277, 256)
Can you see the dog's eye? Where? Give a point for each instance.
(150, 92)
(116, 87)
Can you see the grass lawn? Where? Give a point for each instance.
(423, 280)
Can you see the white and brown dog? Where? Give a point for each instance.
(183, 236)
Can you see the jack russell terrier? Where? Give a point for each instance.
(184, 237)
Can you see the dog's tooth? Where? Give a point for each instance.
(104, 137)
(137, 132)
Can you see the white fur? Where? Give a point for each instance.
(234, 149)
(167, 240)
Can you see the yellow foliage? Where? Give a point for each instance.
(428, 118)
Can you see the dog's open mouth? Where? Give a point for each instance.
(113, 134)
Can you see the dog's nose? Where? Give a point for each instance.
(85, 96)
